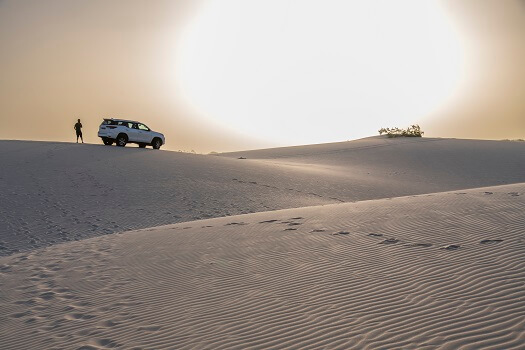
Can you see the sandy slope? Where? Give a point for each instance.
(58, 192)
(420, 165)
(439, 271)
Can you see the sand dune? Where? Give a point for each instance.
(59, 192)
(429, 254)
(420, 165)
(435, 271)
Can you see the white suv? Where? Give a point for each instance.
(123, 131)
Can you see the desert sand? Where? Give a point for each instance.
(369, 244)
(59, 192)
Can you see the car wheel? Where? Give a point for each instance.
(107, 142)
(142, 145)
(122, 139)
(156, 143)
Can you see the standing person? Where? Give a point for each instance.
(78, 129)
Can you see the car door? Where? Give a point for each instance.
(133, 133)
(144, 133)
(123, 127)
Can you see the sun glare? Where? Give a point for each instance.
(294, 72)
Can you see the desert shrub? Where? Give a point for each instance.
(411, 131)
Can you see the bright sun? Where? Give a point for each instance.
(292, 72)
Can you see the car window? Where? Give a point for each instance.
(126, 124)
(135, 126)
(143, 127)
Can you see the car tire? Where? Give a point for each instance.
(107, 142)
(122, 139)
(156, 143)
(142, 145)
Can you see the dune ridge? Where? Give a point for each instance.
(432, 271)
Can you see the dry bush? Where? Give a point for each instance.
(411, 131)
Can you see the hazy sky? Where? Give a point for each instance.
(224, 75)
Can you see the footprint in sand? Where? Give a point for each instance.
(20, 314)
(29, 302)
(450, 247)
(107, 343)
(107, 324)
(236, 223)
(47, 295)
(294, 224)
(78, 316)
(88, 347)
(390, 241)
(375, 234)
(514, 194)
(318, 230)
(297, 218)
(81, 304)
(290, 229)
(5, 268)
(423, 245)
(341, 233)
(267, 221)
(487, 193)
(490, 241)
